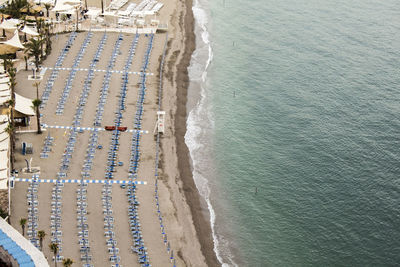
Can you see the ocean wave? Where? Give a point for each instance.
(200, 124)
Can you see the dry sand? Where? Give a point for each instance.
(184, 213)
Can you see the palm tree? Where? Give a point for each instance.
(47, 39)
(26, 62)
(34, 49)
(41, 235)
(12, 73)
(47, 7)
(15, 7)
(22, 222)
(10, 131)
(36, 106)
(67, 262)
(54, 248)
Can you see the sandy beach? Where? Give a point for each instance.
(185, 217)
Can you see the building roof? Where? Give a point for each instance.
(17, 246)
(24, 105)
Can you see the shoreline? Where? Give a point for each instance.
(198, 207)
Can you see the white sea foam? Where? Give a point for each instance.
(200, 121)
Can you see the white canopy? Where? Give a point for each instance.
(4, 145)
(70, 12)
(3, 118)
(4, 179)
(72, 2)
(93, 13)
(4, 80)
(3, 126)
(5, 93)
(61, 7)
(4, 99)
(4, 86)
(44, 2)
(24, 105)
(3, 160)
(14, 41)
(29, 31)
(9, 25)
(109, 14)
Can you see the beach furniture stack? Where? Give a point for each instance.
(127, 12)
(117, 4)
(32, 200)
(68, 84)
(55, 71)
(147, 7)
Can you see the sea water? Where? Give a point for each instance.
(294, 130)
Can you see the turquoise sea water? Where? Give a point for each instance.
(295, 139)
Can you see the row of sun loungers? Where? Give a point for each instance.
(56, 204)
(134, 222)
(83, 229)
(48, 143)
(106, 83)
(68, 84)
(32, 200)
(65, 162)
(55, 218)
(112, 162)
(55, 71)
(160, 217)
(88, 83)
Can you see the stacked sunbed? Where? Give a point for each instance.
(127, 12)
(117, 4)
(54, 73)
(68, 84)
